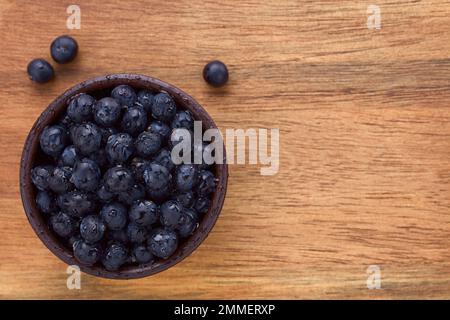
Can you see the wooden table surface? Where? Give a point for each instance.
(364, 121)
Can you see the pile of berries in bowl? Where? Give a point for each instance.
(99, 184)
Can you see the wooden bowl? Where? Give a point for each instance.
(32, 156)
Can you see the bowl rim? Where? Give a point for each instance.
(29, 155)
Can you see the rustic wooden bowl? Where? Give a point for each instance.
(32, 156)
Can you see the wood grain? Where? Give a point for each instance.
(364, 125)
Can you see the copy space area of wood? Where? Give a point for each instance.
(364, 119)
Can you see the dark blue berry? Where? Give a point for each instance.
(71, 241)
(86, 253)
(147, 144)
(104, 195)
(69, 156)
(186, 177)
(163, 243)
(86, 175)
(164, 158)
(116, 254)
(145, 99)
(144, 213)
(107, 132)
(99, 157)
(136, 233)
(142, 254)
(63, 225)
(119, 148)
(186, 199)
(76, 203)
(189, 224)
(202, 205)
(134, 120)
(40, 71)
(59, 180)
(115, 215)
(40, 176)
(171, 215)
(64, 49)
(65, 120)
(87, 138)
(118, 179)
(80, 108)
(53, 140)
(71, 131)
(164, 107)
(183, 119)
(45, 202)
(215, 73)
(160, 128)
(206, 183)
(157, 177)
(117, 236)
(124, 94)
(107, 111)
(135, 192)
(159, 195)
(138, 166)
(92, 229)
